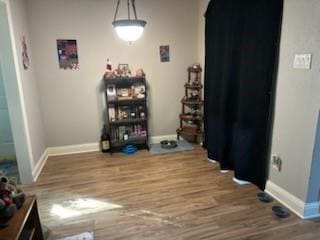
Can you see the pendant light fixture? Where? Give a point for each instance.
(129, 29)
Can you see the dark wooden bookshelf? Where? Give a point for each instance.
(119, 110)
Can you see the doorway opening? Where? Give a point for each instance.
(15, 146)
(8, 160)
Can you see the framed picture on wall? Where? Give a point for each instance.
(25, 55)
(68, 54)
(165, 53)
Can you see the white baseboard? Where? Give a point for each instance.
(80, 148)
(59, 151)
(158, 139)
(40, 164)
(73, 149)
(296, 205)
(93, 147)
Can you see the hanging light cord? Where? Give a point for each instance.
(128, 5)
(117, 9)
(133, 4)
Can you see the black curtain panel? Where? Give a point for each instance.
(242, 39)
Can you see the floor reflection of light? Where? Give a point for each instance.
(80, 207)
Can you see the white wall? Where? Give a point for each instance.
(298, 98)
(71, 101)
(28, 83)
(314, 179)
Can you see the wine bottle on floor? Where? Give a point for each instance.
(105, 140)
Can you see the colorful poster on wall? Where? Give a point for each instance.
(165, 53)
(25, 56)
(68, 54)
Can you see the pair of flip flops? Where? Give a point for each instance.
(279, 211)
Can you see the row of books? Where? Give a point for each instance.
(126, 112)
(127, 132)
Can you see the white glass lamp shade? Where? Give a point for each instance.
(129, 33)
(129, 30)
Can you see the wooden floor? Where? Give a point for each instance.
(144, 196)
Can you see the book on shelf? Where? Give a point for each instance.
(113, 134)
(112, 113)
(121, 132)
(111, 92)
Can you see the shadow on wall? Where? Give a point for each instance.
(314, 185)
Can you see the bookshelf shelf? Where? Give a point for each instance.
(133, 140)
(127, 121)
(191, 117)
(191, 102)
(193, 87)
(126, 101)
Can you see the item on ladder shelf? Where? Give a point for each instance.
(191, 118)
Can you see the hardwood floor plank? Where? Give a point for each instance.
(144, 196)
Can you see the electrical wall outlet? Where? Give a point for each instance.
(276, 162)
(302, 61)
